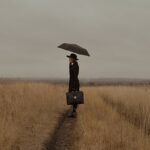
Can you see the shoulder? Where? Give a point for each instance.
(76, 64)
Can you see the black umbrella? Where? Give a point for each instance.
(74, 48)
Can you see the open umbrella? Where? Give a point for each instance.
(74, 48)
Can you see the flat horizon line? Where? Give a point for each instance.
(83, 79)
(94, 82)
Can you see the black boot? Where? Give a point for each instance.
(74, 112)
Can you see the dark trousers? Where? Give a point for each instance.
(74, 106)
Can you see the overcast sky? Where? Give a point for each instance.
(116, 33)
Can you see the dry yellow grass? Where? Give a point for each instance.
(113, 117)
(101, 127)
(28, 114)
(132, 102)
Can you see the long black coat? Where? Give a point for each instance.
(74, 84)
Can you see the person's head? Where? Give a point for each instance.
(72, 58)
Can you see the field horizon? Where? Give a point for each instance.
(94, 81)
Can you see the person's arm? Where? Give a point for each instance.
(75, 76)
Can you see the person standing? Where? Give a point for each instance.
(74, 84)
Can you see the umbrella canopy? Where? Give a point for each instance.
(74, 48)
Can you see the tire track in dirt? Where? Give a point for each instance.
(63, 136)
(129, 115)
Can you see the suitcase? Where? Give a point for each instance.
(75, 97)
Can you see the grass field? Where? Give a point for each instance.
(112, 118)
(28, 114)
(102, 121)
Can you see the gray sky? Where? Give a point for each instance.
(116, 33)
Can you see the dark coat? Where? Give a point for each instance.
(74, 84)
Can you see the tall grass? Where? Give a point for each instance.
(101, 127)
(112, 118)
(28, 114)
(131, 102)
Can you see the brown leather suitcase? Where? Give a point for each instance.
(75, 97)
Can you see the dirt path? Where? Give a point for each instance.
(63, 136)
